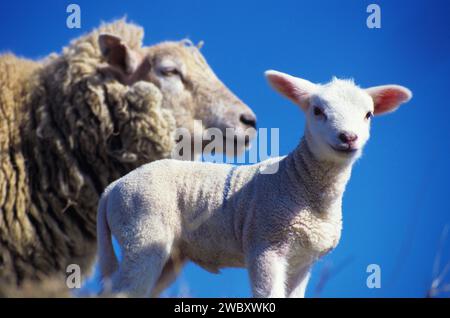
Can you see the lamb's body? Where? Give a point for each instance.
(275, 222)
(199, 211)
(224, 216)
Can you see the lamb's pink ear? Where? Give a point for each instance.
(117, 53)
(387, 98)
(296, 89)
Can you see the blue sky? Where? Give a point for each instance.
(395, 205)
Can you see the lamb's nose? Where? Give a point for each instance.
(248, 119)
(347, 137)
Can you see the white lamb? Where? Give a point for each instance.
(216, 215)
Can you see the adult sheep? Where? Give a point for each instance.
(74, 122)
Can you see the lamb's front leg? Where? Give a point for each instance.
(267, 269)
(297, 283)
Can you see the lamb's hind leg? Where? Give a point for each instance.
(169, 273)
(139, 270)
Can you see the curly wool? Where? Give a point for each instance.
(68, 131)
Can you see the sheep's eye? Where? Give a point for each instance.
(170, 71)
(318, 111)
(369, 115)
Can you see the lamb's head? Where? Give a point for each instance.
(189, 87)
(338, 114)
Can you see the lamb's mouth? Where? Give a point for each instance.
(345, 150)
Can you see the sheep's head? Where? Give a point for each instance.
(189, 87)
(338, 114)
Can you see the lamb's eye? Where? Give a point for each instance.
(369, 115)
(318, 111)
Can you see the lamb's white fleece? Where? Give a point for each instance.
(220, 215)
(275, 224)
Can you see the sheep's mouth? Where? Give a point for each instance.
(344, 149)
(238, 142)
(246, 140)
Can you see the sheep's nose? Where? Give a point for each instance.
(248, 119)
(347, 137)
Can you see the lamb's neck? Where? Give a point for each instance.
(320, 184)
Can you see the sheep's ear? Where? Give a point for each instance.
(296, 89)
(117, 53)
(387, 98)
(200, 44)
